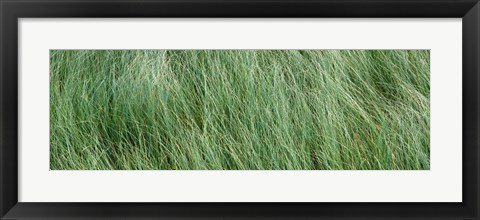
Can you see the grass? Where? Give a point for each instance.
(239, 110)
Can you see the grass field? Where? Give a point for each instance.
(240, 110)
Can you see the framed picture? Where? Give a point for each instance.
(311, 109)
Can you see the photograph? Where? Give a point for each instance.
(317, 109)
(239, 109)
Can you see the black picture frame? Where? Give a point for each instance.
(12, 10)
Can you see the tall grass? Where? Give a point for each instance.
(239, 110)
